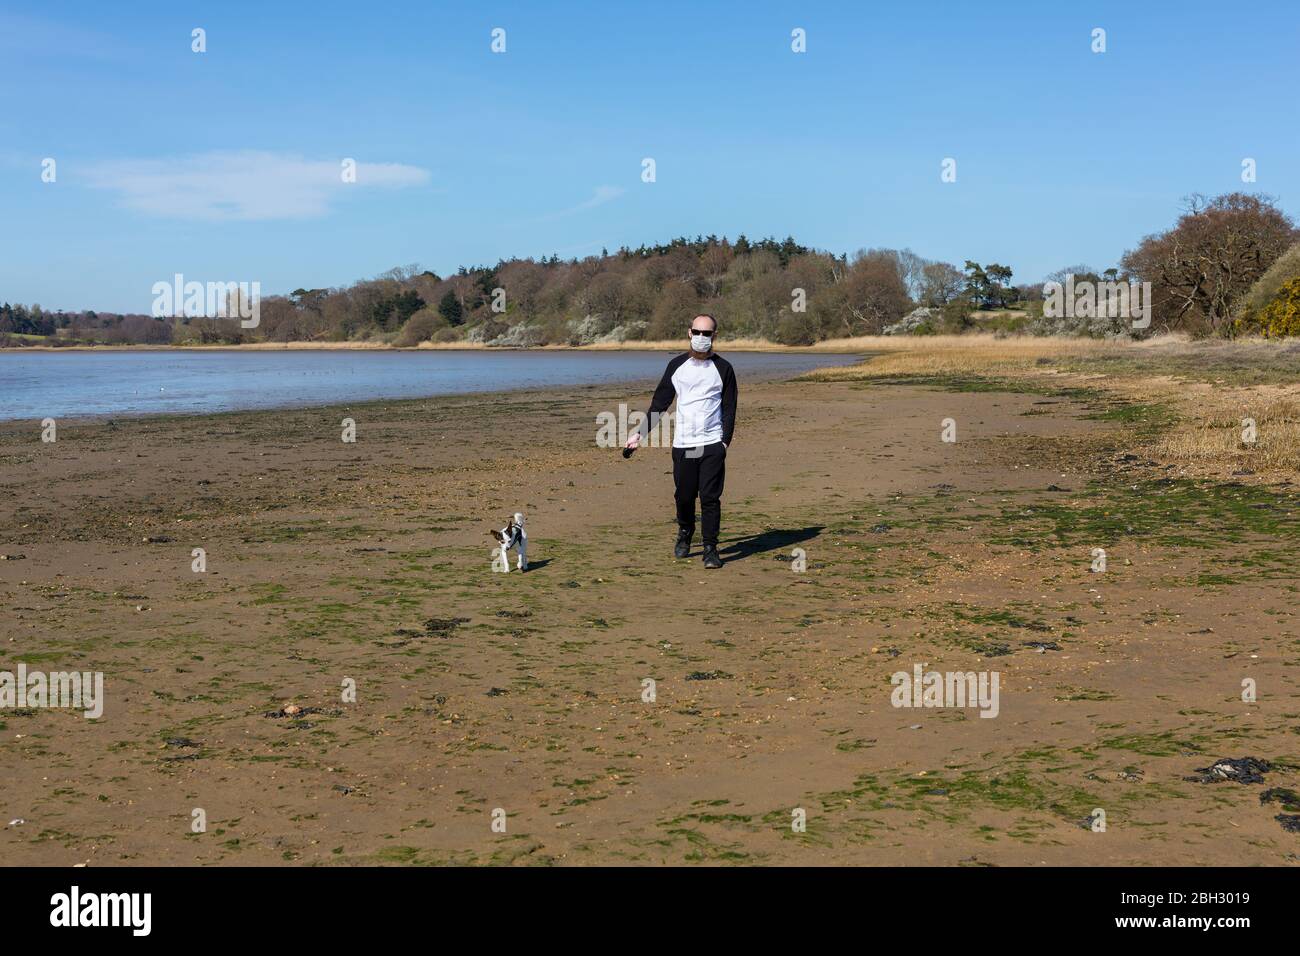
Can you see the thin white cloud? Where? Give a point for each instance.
(243, 185)
(602, 195)
(599, 196)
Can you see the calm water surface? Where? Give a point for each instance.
(81, 384)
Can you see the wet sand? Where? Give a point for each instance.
(475, 691)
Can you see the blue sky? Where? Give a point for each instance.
(224, 165)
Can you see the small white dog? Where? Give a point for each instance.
(514, 536)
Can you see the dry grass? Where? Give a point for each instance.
(1209, 440)
(958, 355)
(1209, 386)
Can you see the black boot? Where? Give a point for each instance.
(711, 559)
(682, 548)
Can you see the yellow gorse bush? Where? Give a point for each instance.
(1280, 317)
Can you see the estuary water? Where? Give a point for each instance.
(74, 384)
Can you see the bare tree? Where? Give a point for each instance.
(941, 282)
(1212, 256)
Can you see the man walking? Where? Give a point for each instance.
(705, 388)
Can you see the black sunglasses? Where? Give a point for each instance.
(707, 333)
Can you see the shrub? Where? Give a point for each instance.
(1279, 318)
(420, 327)
(796, 328)
(955, 316)
(1269, 285)
(520, 336)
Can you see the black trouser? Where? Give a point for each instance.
(701, 476)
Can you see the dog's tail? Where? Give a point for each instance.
(519, 518)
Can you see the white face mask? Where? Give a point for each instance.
(701, 343)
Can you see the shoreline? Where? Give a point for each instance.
(742, 345)
(861, 343)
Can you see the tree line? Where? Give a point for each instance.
(1205, 271)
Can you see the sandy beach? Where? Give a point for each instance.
(523, 694)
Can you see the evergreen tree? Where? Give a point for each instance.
(450, 308)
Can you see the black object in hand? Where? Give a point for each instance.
(627, 452)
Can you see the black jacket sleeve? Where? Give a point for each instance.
(728, 399)
(663, 396)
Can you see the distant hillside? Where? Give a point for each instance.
(780, 291)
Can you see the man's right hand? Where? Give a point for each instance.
(633, 441)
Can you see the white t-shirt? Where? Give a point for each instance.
(699, 404)
(705, 390)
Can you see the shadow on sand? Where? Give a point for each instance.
(774, 540)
